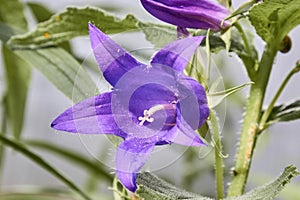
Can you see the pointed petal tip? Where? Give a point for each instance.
(131, 156)
(93, 28)
(198, 39)
(52, 125)
(197, 142)
(91, 25)
(128, 180)
(55, 124)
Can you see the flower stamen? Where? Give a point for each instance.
(148, 113)
(145, 118)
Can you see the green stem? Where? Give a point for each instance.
(248, 48)
(250, 123)
(244, 37)
(208, 53)
(218, 154)
(40, 161)
(267, 113)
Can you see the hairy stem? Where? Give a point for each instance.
(250, 123)
(218, 155)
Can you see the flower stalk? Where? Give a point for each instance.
(251, 120)
(214, 128)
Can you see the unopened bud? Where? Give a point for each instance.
(286, 44)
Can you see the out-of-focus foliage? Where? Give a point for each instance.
(285, 113)
(17, 71)
(62, 70)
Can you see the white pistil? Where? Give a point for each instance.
(148, 113)
(145, 118)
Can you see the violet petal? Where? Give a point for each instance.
(90, 116)
(201, 14)
(184, 134)
(131, 156)
(200, 104)
(150, 95)
(112, 59)
(177, 54)
(182, 32)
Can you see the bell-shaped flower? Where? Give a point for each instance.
(149, 105)
(198, 14)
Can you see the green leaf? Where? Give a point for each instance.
(285, 113)
(17, 146)
(71, 23)
(270, 190)
(274, 19)
(158, 35)
(74, 21)
(12, 13)
(62, 70)
(17, 71)
(215, 98)
(92, 165)
(242, 9)
(35, 196)
(290, 192)
(5, 32)
(40, 12)
(17, 80)
(151, 187)
(37, 193)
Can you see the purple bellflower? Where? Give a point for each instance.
(198, 14)
(149, 105)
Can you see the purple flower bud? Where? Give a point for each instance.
(199, 14)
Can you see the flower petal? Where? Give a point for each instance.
(200, 14)
(140, 90)
(150, 95)
(177, 54)
(112, 59)
(131, 156)
(91, 116)
(201, 105)
(182, 32)
(192, 111)
(183, 134)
